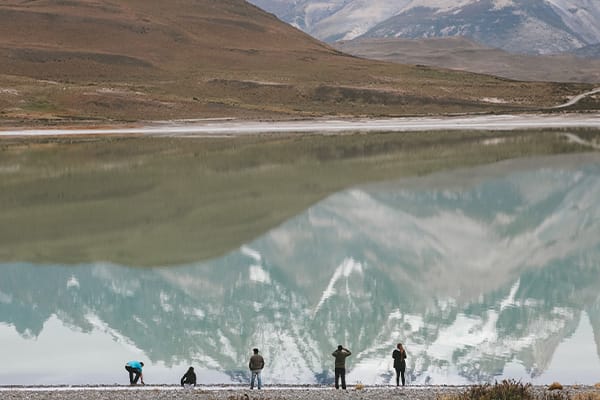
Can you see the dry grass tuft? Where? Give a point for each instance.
(556, 395)
(513, 390)
(597, 385)
(507, 390)
(360, 386)
(587, 396)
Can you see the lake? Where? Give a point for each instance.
(482, 272)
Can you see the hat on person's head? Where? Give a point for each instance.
(340, 347)
(255, 350)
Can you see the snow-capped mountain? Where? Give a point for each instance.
(477, 271)
(520, 26)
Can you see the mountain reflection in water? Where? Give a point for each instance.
(483, 274)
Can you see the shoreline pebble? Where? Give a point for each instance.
(212, 392)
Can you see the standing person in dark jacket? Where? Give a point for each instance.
(256, 364)
(340, 365)
(135, 368)
(399, 356)
(189, 378)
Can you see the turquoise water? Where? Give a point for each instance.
(483, 274)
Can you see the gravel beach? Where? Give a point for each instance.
(239, 393)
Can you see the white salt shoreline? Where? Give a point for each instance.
(336, 126)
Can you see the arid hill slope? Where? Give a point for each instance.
(100, 60)
(174, 36)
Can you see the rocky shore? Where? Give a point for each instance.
(243, 393)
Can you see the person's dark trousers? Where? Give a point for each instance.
(133, 371)
(340, 373)
(399, 373)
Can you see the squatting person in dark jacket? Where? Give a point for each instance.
(399, 356)
(189, 378)
(256, 364)
(340, 365)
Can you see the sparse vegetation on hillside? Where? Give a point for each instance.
(96, 61)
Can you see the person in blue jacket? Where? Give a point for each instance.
(135, 368)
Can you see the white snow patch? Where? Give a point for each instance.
(510, 300)
(251, 253)
(73, 282)
(504, 219)
(465, 331)
(164, 302)
(140, 321)
(415, 322)
(344, 270)
(257, 306)
(258, 274)
(227, 349)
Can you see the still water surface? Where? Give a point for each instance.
(483, 274)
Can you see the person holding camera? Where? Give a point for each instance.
(340, 365)
(399, 356)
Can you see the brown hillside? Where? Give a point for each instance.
(153, 59)
(170, 35)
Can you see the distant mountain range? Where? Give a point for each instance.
(518, 26)
(464, 54)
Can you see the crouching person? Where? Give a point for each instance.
(135, 372)
(189, 378)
